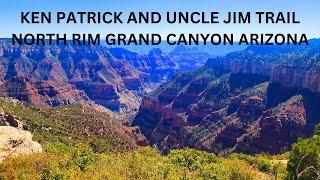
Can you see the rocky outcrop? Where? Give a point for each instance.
(9, 120)
(15, 141)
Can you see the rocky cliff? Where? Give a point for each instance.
(292, 66)
(59, 75)
(259, 100)
(13, 139)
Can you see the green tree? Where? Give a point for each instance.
(84, 156)
(304, 161)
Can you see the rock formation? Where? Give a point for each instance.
(15, 141)
(61, 75)
(259, 100)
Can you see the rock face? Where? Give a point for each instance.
(293, 76)
(288, 65)
(277, 128)
(14, 141)
(260, 100)
(43, 93)
(61, 75)
(9, 120)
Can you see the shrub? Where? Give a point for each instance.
(59, 161)
(304, 159)
(59, 148)
(258, 162)
(101, 145)
(84, 156)
(191, 159)
(240, 175)
(52, 171)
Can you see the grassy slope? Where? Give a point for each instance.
(74, 150)
(70, 125)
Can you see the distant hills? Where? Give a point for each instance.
(215, 50)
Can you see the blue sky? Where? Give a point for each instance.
(307, 11)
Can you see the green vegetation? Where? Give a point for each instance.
(304, 162)
(272, 165)
(80, 162)
(44, 129)
(70, 125)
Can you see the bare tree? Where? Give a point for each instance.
(309, 168)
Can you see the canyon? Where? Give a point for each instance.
(114, 78)
(259, 100)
